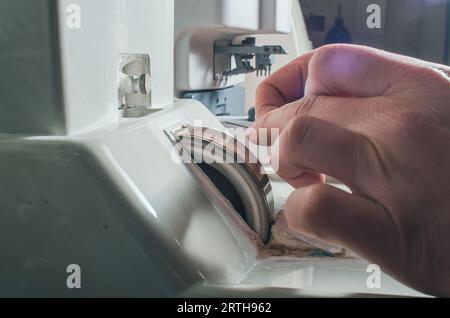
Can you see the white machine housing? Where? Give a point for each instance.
(81, 184)
(209, 21)
(59, 77)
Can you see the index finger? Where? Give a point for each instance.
(284, 86)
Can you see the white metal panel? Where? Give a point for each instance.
(89, 62)
(231, 14)
(29, 78)
(276, 16)
(241, 14)
(60, 60)
(91, 55)
(148, 27)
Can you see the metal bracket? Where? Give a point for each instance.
(225, 52)
(134, 92)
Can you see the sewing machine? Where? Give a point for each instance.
(95, 94)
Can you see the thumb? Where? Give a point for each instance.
(330, 214)
(352, 70)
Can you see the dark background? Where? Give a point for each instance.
(419, 28)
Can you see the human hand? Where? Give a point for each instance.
(380, 123)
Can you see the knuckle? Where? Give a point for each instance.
(306, 105)
(295, 143)
(303, 132)
(299, 125)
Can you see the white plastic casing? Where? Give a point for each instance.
(62, 78)
(198, 23)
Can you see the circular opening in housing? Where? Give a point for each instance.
(238, 178)
(226, 188)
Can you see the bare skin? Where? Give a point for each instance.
(380, 123)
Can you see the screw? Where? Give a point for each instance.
(141, 84)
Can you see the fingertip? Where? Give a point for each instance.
(305, 210)
(284, 86)
(305, 179)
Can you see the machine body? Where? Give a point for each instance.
(87, 175)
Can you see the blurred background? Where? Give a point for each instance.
(419, 28)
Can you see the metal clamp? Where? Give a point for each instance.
(243, 54)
